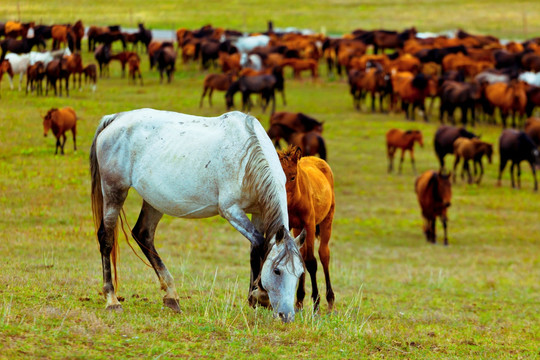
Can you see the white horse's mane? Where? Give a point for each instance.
(259, 180)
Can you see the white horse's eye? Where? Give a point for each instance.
(277, 271)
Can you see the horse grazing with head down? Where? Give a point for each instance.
(404, 140)
(311, 205)
(434, 192)
(299, 122)
(517, 146)
(310, 142)
(60, 121)
(195, 167)
(471, 149)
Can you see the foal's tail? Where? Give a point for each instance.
(97, 194)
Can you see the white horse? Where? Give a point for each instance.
(530, 78)
(196, 167)
(19, 65)
(48, 56)
(253, 61)
(247, 43)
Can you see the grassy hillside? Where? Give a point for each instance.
(396, 296)
(516, 19)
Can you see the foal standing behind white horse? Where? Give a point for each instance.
(196, 167)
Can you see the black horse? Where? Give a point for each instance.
(444, 140)
(19, 46)
(103, 57)
(165, 58)
(517, 146)
(259, 84)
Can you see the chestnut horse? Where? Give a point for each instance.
(220, 82)
(299, 65)
(60, 121)
(311, 205)
(396, 138)
(471, 149)
(434, 192)
(5, 67)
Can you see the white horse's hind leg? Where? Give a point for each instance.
(112, 204)
(143, 233)
(20, 80)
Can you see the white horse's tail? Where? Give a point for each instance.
(96, 192)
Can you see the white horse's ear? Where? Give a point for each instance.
(280, 234)
(300, 239)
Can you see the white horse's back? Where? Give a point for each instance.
(178, 163)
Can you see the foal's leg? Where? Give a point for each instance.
(74, 132)
(445, 227)
(64, 138)
(412, 160)
(502, 165)
(307, 252)
(143, 233)
(202, 97)
(481, 172)
(210, 96)
(466, 166)
(391, 151)
(324, 254)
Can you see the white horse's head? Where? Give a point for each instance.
(280, 273)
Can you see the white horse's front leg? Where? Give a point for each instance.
(11, 82)
(239, 220)
(20, 80)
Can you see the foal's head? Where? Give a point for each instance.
(289, 162)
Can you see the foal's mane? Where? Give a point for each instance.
(259, 181)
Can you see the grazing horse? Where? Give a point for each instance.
(220, 82)
(434, 192)
(373, 80)
(444, 140)
(311, 205)
(134, 63)
(195, 167)
(517, 146)
(165, 57)
(60, 121)
(471, 149)
(396, 138)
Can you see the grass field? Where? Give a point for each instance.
(509, 19)
(396, 296)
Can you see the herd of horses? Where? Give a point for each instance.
(285, 190)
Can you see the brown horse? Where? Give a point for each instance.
(35, 73)
(123, 58)
(396, 138)
(134, 63)
(434, 192)
(311, 206)
(60, 121)
(299, 122)
(299, 65)
(509, 98)
(220, 82)
(90, 72)
(310, 142)
(532, 128)
(75, 66)
(5, 67)
(471, 149)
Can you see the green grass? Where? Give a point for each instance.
(515, 19)
(396, 296)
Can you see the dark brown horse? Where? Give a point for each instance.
(19, 46)
(60, 121)
(165, 58)
(247, 85)
(434, 192)
(134, 63)
(471, 149)
(517, 146)
(299, 122)
(311, 142)
(444, 140)
(90, 73)
(75, 66)
(35, 74)
(56, 70)
(458, 94)
(404, 140)
(103, 56)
